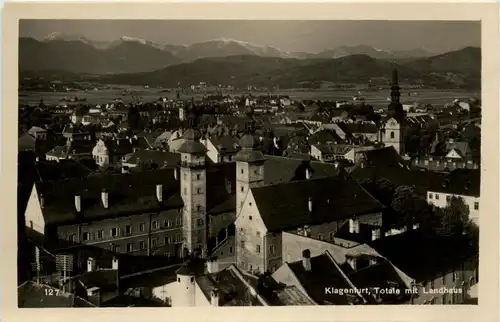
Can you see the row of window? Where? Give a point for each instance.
(272, 248)
(199, 191)
(116, 231)
(142, 244)
(448, 198)
(198, 176)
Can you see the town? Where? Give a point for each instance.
(231, 199)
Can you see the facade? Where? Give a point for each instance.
(100, 154)
(392, 135)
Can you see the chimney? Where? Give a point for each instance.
(376, 234)
(176, 174)
(306, 260)
(114, 263)
(353, 226)
(104, 198)
(212, 265)
(78, 203)
(214, 299)
(307, 231)
(159, 192)
(130, 140)
(91, 264)
(310, 204)
(42, 201)
(308, 174)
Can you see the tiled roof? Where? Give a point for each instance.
(421, 180)
(291, 295)
(324, 273)
(285, 206)
(352, 128)
(226, 144)
(127, 194)
(232, 290)
(283, 169)
(324, 136)
(384, 276)
(32, 295)
(459, 182)
(336, 149)
(159, 158)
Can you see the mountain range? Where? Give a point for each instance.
(458, 69)
(77, 54)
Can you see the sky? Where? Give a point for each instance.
(295, 36)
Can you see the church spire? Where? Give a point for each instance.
(395, 94)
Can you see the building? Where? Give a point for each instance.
(392, 134)
(221, 148)
(305, 205)
(460, 183)
(34, 295)
(337, 152)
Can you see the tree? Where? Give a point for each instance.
(454, 219)
(411, 207)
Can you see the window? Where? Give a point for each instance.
(86, 236)
(198, 190)
(142, 226)
(257, 233)
(142, 245)
(130, 247)
(178, 239)
(443, 279)
(168, 223)
(178, 221)
(332, 236)
(230, 250)
(198, 207)
(392, 135)
(168, 240)
(128, 229)
(100, 233)
(242, 244)
(448, 198)
(272, 250)
(249, 203)
(241, 171)
(249, 217)
(154, 241)
(430, 195)
(257, 249)
(476, 205)
(114, 232)
(320, 237)
(200, 221)
(156, 224)
(185, 176)
(437, 196)
(242, 189)
(72, 238)
(197, 177)
(116, 248)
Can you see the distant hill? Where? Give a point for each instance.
(75, 53)
(266, 71)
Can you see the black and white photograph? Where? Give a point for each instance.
(235, 163)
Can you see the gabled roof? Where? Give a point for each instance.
(335, 149)
(324, 273)
(384, 276)
(225, 144)
(159, 158)
(461, 147)
(285, 206)
(384, 157)
(105, 279)
(233, 291)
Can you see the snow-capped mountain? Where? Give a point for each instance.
(374, 52)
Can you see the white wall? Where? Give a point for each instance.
(33, 215)
(442, 203)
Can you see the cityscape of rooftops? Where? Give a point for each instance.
(328, 163)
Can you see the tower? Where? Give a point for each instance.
(186, 287)
(194, 192)
(395, 108)
(249, 167)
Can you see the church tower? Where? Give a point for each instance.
(393, 130)
(249, 167)
(194, 192)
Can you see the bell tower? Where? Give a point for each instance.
(194, 192)
(249, 167)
